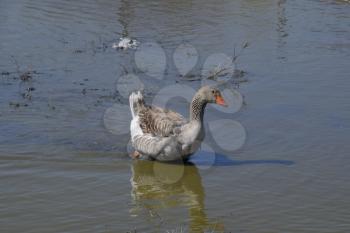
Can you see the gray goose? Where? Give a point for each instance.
(164, 135)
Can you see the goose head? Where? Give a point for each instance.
(211, 95)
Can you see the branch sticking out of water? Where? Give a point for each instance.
(235, 56)
(24, 76)
(217, 72)
(228, 71)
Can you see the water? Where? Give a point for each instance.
(63, 171)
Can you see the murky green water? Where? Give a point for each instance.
(63, 171)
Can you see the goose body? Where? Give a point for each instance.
(165, 135)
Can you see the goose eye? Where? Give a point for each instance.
(213, 92)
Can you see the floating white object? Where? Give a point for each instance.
(125, 43)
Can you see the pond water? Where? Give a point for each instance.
(64, 168)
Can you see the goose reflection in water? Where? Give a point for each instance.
(160, 186)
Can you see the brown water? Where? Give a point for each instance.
(63, 171)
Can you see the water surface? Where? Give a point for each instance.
(63, 171)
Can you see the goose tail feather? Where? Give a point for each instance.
(136, 102)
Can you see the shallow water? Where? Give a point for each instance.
(63, 169)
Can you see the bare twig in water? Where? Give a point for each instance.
(228, 69)
(218, 71)
(246, 44)
(125, 70)
(24, 76)
(191, 77)
(17, 104)
(224, 69)
(235, 56)
(16, 64)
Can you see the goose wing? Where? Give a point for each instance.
(160, 122)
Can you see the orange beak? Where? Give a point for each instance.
(220, 101)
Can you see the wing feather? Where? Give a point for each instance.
(160, 122)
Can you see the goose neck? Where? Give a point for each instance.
(197, 108)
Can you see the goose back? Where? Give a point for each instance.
(160, 122)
